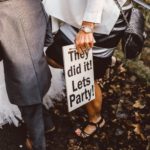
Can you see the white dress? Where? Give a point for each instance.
(9, 113)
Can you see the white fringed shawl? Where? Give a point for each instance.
(8, 111)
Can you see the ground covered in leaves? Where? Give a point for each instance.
(125, 109)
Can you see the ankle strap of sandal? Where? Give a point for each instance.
(96, 124)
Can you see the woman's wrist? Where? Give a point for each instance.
(87, 27)
(88, 24)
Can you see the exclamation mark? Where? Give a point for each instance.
(93, 90)
(91, 64)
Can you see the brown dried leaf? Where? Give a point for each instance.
(138, 131)
(110, 91)
(121, 69)
(148, 95)
(29, 144)
(137, 117)
(138, 104)
(147, 1)
(113, 87)
(127, 92)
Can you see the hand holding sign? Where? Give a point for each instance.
(79, 77)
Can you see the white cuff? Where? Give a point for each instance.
(93, 11)
(94, 17)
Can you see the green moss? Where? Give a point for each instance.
(140, 66)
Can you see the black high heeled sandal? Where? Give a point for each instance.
(97, 125)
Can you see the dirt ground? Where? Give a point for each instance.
(125, 109)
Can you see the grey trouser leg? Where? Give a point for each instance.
(48, 122)
(33, 117)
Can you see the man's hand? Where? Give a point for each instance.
(84, 41)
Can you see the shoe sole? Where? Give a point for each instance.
(50, 130)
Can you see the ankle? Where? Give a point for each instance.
(95, 119)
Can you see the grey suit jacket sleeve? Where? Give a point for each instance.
(1, 55)
(48, 36)
(93, 11)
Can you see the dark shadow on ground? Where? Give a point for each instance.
(125, 109)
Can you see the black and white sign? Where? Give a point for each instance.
(79, 77)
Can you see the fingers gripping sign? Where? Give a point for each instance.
(85, 39)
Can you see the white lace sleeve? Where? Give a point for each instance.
(93, 11)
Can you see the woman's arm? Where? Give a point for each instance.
(85, 40)
(93, 12)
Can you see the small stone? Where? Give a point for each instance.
(119, 132)
(71, 141)
(20, 146)
(121, 115)
(147, 127)
(133, 78)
